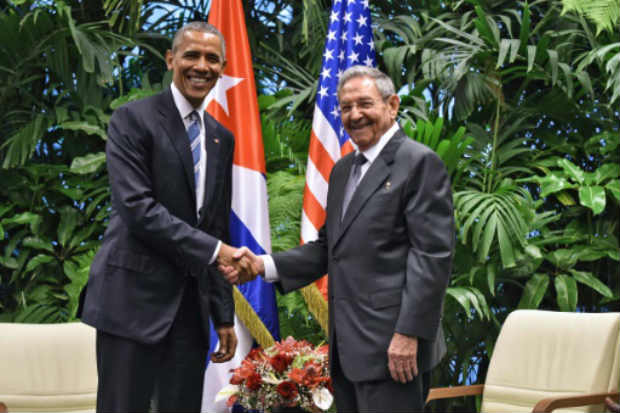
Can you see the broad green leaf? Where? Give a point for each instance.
(461, 295)
(614, 188)
(9, 262)
(38, 260)
(565, 198)
(552, 183)
(603, 173)
(587, 278)
(30, 218)
(563, 258)
(82, 126)
(533, 251)
(38, 243)
(566, 292)
(68, 221)
(504, 46)
(534, 291)
(572, 170)
(593, 197)
(553, 62)
(491, 275)
(88, 164)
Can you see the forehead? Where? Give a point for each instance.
(193, 39)
(359, 87)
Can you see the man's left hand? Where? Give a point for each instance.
(228, 344)
(403, 358)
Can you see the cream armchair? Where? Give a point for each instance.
(48, 367)
(546, 360)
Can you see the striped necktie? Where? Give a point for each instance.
(193, 132)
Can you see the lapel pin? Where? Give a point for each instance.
(388, 184)
(216, 140)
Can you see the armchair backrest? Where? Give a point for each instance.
(48, 367)
(541, 354)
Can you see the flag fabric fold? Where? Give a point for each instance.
(349, 42)
(234, 104)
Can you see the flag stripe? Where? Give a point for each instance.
(320, 157)
(313, 209)
(245, 201)
(324, 132)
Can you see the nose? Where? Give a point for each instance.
(202, 64)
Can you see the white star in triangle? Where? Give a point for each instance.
(219, 91)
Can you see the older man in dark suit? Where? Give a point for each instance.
(154, 283)
(387, 245)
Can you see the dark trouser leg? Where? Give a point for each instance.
(390, 396)
(126, 370)
(181, 372)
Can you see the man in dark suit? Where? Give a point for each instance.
(387, 246)
(154, 283)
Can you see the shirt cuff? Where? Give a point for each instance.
(271, 272)
(215, 253)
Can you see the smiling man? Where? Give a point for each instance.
(154, 284)
(387, 246)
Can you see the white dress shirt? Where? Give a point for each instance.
(185, 109)
(271, 272)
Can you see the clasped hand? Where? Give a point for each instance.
(239, 265)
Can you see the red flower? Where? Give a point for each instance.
(253, 382)
(255, 354)
(287, 389)
(231, 400)
(280, 362)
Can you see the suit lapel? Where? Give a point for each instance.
(212, 146)
(378, 172)
(171, 122)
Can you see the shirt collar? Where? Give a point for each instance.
(183, 105)
(374, 151)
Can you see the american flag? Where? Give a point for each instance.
(349, 42)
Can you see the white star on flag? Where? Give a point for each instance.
(219, 91)
(328, 54)
(353, 57)
(358, 38)
(361, 21)
(347, 17)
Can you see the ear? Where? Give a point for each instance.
(223, 67)
(393, 103)
(169, 58)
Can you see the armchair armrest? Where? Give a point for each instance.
(551, 403)
(456, 391)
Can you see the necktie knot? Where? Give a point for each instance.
(360, 159)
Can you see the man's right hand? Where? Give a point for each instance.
(244, 266)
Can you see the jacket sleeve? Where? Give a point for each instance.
(128, 152)
(430, 224)
(221, 300)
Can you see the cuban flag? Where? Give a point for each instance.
(349, 42)
(233, 103)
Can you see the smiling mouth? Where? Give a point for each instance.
(197, 81)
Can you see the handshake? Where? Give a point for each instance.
(239, 265)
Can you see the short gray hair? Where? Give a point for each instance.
(198, 26)
(382, 81)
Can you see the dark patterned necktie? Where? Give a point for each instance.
(354, 179)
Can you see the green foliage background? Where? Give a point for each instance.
(519, 98)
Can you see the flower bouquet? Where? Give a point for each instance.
(290, 373)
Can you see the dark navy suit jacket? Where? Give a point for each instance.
(155, 240)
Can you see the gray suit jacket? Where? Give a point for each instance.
(389, 259)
